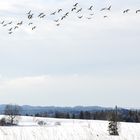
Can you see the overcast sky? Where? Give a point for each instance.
(81, 62)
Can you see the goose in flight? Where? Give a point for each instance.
(10, 32)
(66, 14)
(137, 10)
(2, 22)
(80, 17)
(63, 17)
(56, 20)
(73, 9)
(29, 12)
(59, 10)
(16, 27)
(30, 16)
(58, 24)
(105, 16)
(4, 25)
(90, 8)
(75, 4)
(53, 13)
(40, 14)
(10, 22)
(126, 11)
(10, 29)
(20, 23)
(30, 23)
(33, 27)
(109, 8)
(79, 10)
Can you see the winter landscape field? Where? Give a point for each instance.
(67, 129)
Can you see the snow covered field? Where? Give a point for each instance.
(62, 129)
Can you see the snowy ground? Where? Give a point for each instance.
(62, 129)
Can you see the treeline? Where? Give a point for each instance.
(123, 115)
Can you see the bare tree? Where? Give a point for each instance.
(12, 112)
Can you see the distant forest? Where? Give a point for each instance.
(123, 115)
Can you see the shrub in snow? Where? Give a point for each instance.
(41, 123)
(12, 112)
(2, 122)
(57, 123)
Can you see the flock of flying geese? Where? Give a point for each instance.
(76, 9)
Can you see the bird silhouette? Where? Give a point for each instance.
(10, 29)
(79, 10)
(73, 9)
(30, 23)
(10, 32)
(29, 12)
(4, 25)
(90, 8)
(30, 16)
(66, 14)
(75, 4)
(40, 14)
(59, 10)
(2, 22)
(80, 17)
(126, 11)
(109, 8)
(10, 22)
(58, 24)
(53, 13)
(137, 11)
(16, 27)
(56, 20)
(20, 23)
(33, 27)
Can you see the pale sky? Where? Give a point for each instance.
(81, 62)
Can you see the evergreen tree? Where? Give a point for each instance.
(113, 123)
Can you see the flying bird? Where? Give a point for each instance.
(90, 8)
(40, 14)
(79, 10)
(16, 27)
(66, 14)
(30, 23)
(10, 22)
(2, 22)
(80, 17)
(75, 4)
(29, 12)
(126, 11)
(109, 8)
(4, 25)
(73, 9)
(105, 16)
(20, 23)
(33, 27)
(137, 11)
(56, 20)
(10, 29)
(59, 10)
(58, 24)
(53, 13)
(30, 16)
(10, 32)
